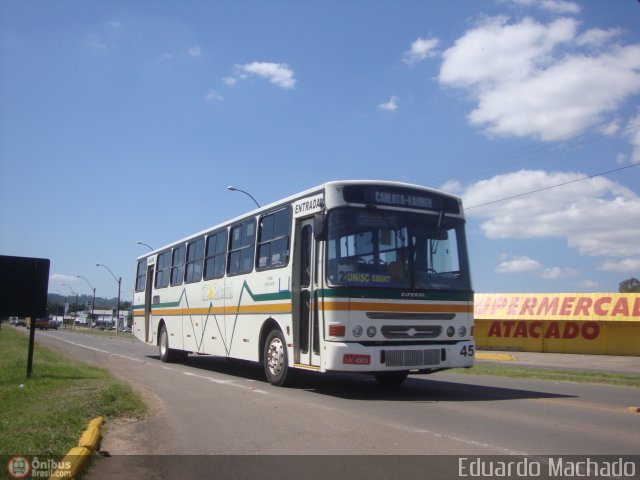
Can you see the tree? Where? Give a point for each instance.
(630, 285)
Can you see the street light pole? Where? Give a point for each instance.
(234, 189)
(93, 302)
(146, 245)
(119, 280)
(75, 312)
(63, 305)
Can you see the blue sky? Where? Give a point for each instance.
(126, 121)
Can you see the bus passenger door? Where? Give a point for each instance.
(147, 304)
(306, 326)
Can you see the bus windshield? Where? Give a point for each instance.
(393, 249)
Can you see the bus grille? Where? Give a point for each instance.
(411, 358)
(400, 331)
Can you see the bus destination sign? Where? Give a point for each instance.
(402, 200)
(400, 197)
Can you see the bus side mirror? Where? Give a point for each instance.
(319, 226)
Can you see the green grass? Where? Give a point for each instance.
(553, 374)
(47, 413)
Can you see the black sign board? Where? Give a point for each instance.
(401, 197)
(23, 286)
(23, 292)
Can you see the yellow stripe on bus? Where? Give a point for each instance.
(266, 309)
(328, 305)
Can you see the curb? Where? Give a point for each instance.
(76, 458)
(499, 357)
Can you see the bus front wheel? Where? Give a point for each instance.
(275, 359)
(166, 353)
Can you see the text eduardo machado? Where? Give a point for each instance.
(549, 467)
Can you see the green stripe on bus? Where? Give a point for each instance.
(393, 294)
(256, 297)
(266, 297)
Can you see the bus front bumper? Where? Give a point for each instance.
(355, 357)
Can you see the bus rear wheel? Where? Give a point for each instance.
(391, 379)
(276, 365)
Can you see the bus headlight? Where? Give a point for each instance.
(357, 331)
(462, 331)
(371, 331)
(451, 331)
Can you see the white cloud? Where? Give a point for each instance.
(525, 264)
(530, 79)
(557, 273)
(230, 81)
(421, 49)
(610, 128)
(115, 24)
(213, 96)
(597, 217)
(453, 186)
(625, 265)
(60, 277)
(555, 6)
(96, 42)
(597, 37)
(518, 265)
(496, 52)
(391, 105)
(588, 285)
(195, 51)
(279, 74)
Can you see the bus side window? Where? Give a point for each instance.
(216, 255)
(141, 275)
(273, 240)
(195, 254)
(177, 266)
(242, 244)
(162, 269)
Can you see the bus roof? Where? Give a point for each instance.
(285, 201)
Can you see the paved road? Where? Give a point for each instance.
(213, 406)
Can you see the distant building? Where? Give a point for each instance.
(102, 318)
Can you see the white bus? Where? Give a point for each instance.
(350, 276)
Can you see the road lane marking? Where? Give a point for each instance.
(128, 357)
(466, 441)
(229, 383)
(76, 344)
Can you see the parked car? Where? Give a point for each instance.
(20, 322)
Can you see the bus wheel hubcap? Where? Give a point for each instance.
(275, 356)
(163, 343)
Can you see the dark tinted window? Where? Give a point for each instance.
(163, 266)
(241, 248)
(141, 275)
(216, 255)
(273, 240)
(177, 266)
(195, 255)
